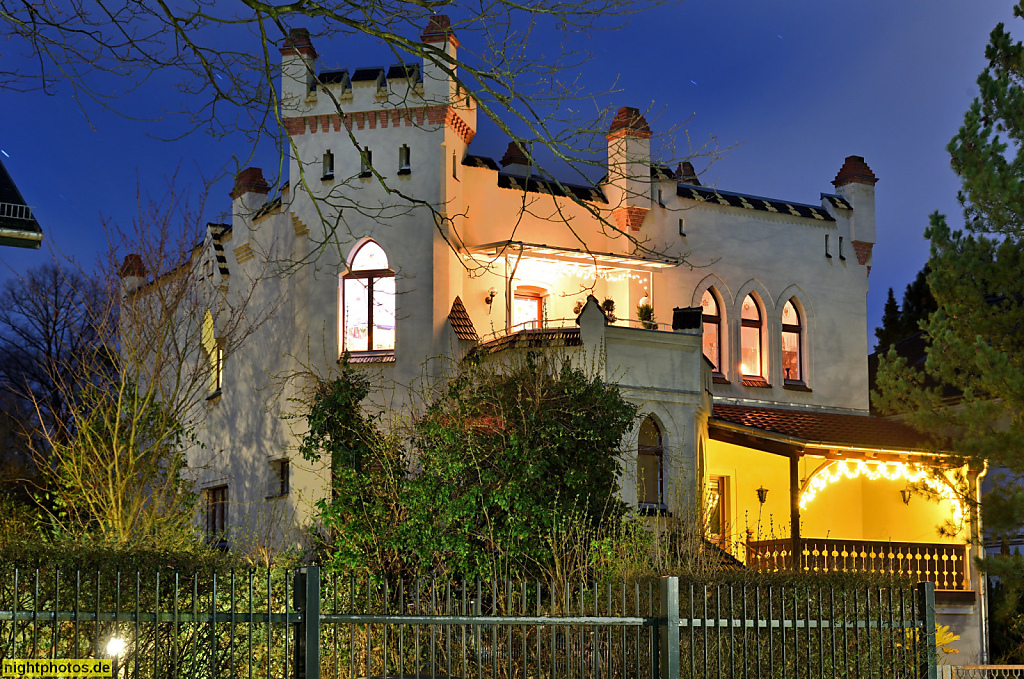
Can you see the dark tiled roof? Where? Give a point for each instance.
(836, 201)
(758, 382)
(530, 339)
(480, 161)
(862, 431)
(718, 197)
(538, 185)
(366, 74)
(461, 323)
(410, 71)
(334, 77)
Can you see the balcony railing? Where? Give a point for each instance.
(943, 565)
(15, 211)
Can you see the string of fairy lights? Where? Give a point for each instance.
(875, 470)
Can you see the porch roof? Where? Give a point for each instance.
(823, 430)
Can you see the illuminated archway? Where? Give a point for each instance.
(874, 470)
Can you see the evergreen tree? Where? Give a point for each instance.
(975, 334)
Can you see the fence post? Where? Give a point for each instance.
(668, 634)
(926, 614)
(307, 632)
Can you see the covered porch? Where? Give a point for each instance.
(828, 492)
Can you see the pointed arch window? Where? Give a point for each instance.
(368, 302)
(750, 338)
(712, 328)
(792, 344)
(650, 490)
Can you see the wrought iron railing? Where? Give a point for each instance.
(944, 565)
(279, 623)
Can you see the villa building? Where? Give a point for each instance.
(751, 376)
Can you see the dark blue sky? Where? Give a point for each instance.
(797, 85)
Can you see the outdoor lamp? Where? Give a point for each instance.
(762, 494)
(905, 494)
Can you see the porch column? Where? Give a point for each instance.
(794, 508)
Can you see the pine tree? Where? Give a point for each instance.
(888, 332)
(975, 335)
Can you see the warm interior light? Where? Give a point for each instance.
(744, 369)
(874, 470)
(115, 646)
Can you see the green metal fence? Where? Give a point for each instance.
(297, 624)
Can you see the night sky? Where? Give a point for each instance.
(795, 85)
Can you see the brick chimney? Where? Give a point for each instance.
(132, 273)
(515, 161)
(250, 192)
(629, 168)
(856, 183)
(685, 174)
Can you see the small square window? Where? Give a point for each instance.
(279, 481)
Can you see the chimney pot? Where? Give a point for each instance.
(298, 40)
(514, 155)
(439, 29)
(250, 180)
(629, 121)
(132, 266)
(854, 171)
(686, 174)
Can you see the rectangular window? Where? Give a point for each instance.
(718, 510)
(328, 165)
(279, 482)
(750, 350)
(217, 515)
(366, 162)
(404, 160)
(527, 312)
(791, 355)
(649, 491)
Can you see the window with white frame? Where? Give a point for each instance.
(368, 302)
(213, 347)
(217, 515)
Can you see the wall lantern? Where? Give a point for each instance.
(762, 494)
(905, 494)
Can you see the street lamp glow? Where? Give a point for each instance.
(115, 647)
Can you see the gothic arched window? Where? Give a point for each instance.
(368, 302)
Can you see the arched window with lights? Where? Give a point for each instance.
(792, 344)
(650, 491)
(711, 315)
(750, 338)
(368, 302)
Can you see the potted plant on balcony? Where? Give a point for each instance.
(645, 313)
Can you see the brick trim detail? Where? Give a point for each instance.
(863, 250)
(630, 218)
(440, 115)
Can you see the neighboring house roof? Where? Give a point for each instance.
(531, 339)
(824, 429)
(706, 194)
(461, 323)
(18, 225)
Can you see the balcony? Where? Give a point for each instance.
(15, 211)
(944, 565)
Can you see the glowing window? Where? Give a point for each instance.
(791, 343)
(650, 466)
(368, 302)
(750, 338)
(712, 329)
(214, 348)
(527, 309)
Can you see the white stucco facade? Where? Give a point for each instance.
(501, 241)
